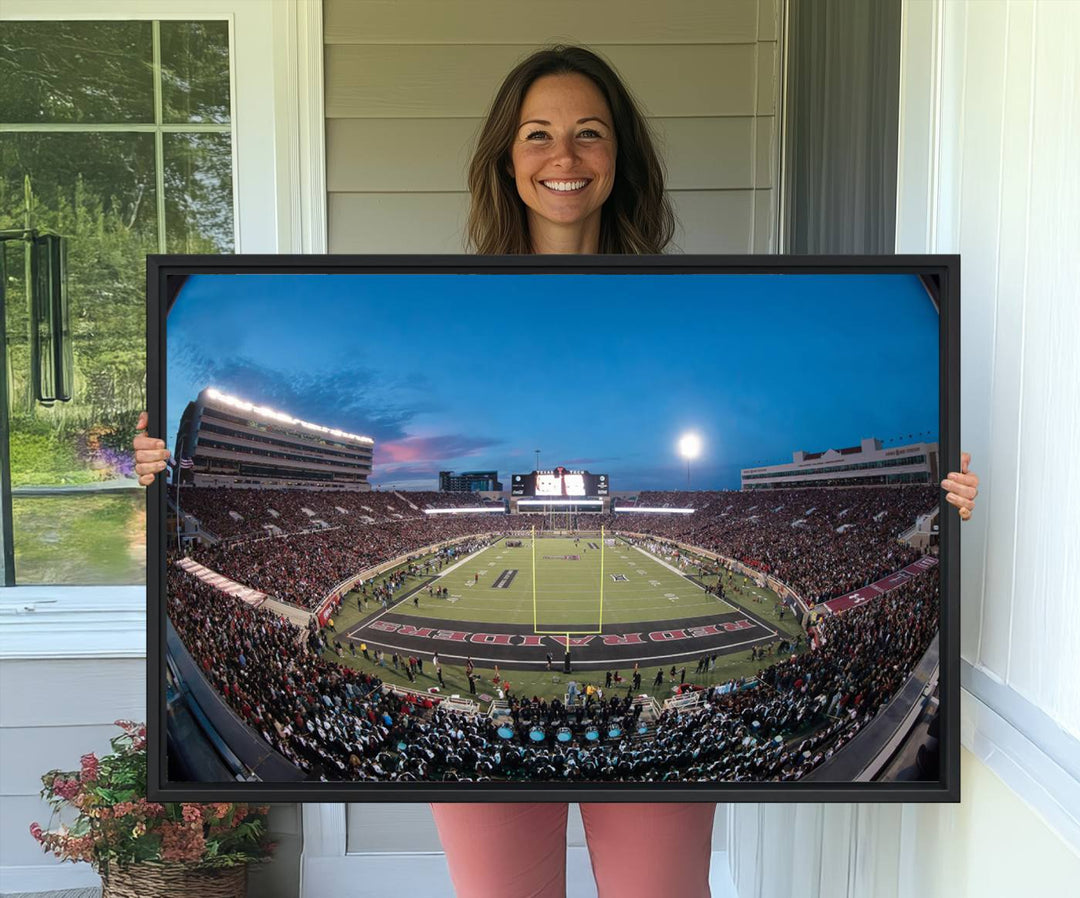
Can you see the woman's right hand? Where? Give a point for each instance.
(150, 453)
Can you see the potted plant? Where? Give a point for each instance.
(142, 848)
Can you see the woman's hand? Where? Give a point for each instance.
(962, 488)
(150, 453)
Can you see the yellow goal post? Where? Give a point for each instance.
(563, 631)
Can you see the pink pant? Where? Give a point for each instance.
(519, 850)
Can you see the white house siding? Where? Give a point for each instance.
(53, 711)
(989, 130)
(992, 845)
(408, 83)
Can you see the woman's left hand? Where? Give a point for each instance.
(962, 487)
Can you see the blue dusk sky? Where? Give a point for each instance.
(600, 372)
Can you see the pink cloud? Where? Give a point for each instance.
(435, 448)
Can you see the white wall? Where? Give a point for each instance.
(53, 711)
(989, 137)
(408, 83)
(1008, 200)
(991, 844)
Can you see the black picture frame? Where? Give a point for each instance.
(941, 276)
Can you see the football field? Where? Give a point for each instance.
(556, 585)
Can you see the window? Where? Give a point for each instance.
(118, 136)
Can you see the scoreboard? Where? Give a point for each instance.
(559, 482)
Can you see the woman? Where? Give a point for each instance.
(565, 164)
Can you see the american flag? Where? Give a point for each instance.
(186, 462)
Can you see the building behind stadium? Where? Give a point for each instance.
(225, 441)
(469, 482)
(867, 464)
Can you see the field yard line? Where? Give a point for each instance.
(367, 620)
(470, 557)
(602, 665)
(673, 570)
(683, 576)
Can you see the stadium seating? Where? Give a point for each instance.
(336, 723)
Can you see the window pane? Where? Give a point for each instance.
(76, 72)
(81, 539)
(98, 191)
(195, 72)
(198, 193)
(78, 517)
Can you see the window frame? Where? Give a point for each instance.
(279, 205)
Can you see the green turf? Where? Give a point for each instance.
(567, 592)
(81, 539)
(742, 593)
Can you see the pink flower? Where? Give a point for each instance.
(150, 808)
(192, 813)
(89, 767)
(65, 788)
(221, 808)
(181, 842)
(36, 832)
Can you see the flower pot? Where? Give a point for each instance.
(174, 881)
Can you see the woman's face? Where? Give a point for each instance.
(563, 154)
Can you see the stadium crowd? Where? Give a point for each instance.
(304, 568)
(231, 514)
(822, 543)
(336, 723)
(331, 721)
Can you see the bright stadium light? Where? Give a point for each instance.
(274, 415)
(689, 445)
(499, 510)
(689, 448)
(638, 509)
(532, 503)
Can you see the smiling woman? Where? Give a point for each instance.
(565, 145)
(563, 162)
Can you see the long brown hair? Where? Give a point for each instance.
(637, 216)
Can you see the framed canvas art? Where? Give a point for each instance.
(554, 528)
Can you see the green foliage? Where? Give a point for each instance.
(88, 538)
(106, 272)
(76, 72)
(116, 825)
(41, 458)
(99, 190)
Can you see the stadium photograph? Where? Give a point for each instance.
(552, 528)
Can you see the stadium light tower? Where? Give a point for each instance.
(689, 448)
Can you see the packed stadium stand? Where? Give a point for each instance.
(336, 723)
